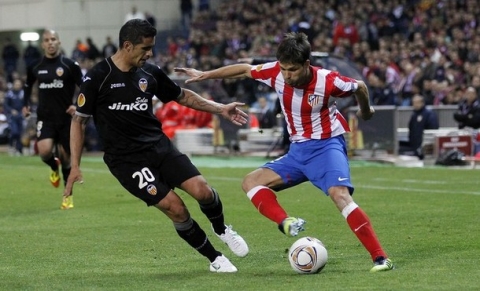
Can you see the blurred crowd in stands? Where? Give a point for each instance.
(401, 47)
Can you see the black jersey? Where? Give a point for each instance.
(57, 78)
(121, 104)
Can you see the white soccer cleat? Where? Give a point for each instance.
(234, 241)
(222, 265)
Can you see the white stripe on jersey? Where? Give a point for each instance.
(307, 113)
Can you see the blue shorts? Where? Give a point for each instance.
(322, 162)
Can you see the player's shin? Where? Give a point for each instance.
(214, 212)
(191, 232)
(66, 173)
(266, 202)
(360, 225)
(51, 162)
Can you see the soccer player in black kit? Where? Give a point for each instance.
(57, 77)
(118, 93)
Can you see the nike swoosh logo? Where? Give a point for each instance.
(356, 229)
(342, 179)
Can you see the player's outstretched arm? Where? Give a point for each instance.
(227, 72)
(77, 137)
(229, 111)
(363, 98)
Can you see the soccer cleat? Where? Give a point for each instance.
(67, 202)
(291, 226)
(234, 241)
(55, 175)
(222, 265)
(381, 264)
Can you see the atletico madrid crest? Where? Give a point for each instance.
(313, 99)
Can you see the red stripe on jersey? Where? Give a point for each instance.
(343, 122)
(287, 100)
(307, 113)
(325, 110)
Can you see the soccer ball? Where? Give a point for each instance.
(307, 255)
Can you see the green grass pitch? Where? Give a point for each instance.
(427, 220)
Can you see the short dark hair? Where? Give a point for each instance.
(294, 48)
(135, 30)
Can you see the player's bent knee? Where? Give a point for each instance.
(249, 181)
(340, 195)
(177, 212)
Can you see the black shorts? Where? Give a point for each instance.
(58, 131)
(151, 174)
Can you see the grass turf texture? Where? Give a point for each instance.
(426, 218)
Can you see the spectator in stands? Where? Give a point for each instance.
(468, 114)
(92, 53)
(134, 14)
(31, 54)
(80, 51)
(203, 5)
(345, 29)
(380, 93)
(109, 48)
(4, 130)
(10, 56)
(13, 110)
(186, 10)
(421, 119)
(266, 116)
(407, 83)
(151, 19)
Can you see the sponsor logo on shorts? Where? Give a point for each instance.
(152, 190)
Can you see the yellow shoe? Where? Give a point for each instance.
(67, 202)
(291, 226)
(55, 175)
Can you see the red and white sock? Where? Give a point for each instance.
(360, 225)
(266, 202)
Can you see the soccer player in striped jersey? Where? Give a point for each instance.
(318, 151)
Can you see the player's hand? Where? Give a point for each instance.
(195, 75)
(26, 111)
(366, 115)
(236, 115)
(71, 110)
(74, 176)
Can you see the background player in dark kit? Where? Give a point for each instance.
(118, 93)
(57, 77)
